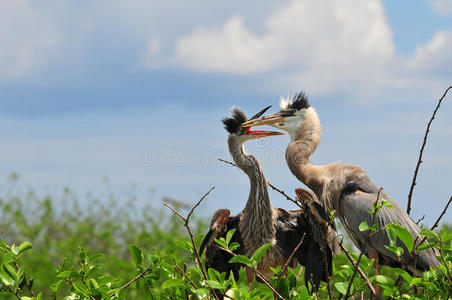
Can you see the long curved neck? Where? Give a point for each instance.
(257, 216)
(303, 144)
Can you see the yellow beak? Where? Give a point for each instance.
(266, 120)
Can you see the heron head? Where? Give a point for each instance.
(293, 112)
(220, 219)
(234, 126)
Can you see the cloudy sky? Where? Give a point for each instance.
(135, 90)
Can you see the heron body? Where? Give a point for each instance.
(260, 223)
(344, 188)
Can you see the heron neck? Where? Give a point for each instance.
(257, 216)
(303, 144)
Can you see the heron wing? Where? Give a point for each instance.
(216, 257)
(293, 228)
(356, 204)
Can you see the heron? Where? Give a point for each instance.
(344, 188)
(260, 223)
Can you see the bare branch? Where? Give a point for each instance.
(442, 214)
(192, 237)
(197, 204)
(178, 269)
(433, 227)
(419, 161)
(132, 281)
(175, 211)
(284, 268)
(360, 271)
(419, 221)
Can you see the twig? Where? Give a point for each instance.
(433, 227)
(284, 268)
(413, 183)
(192, 237)
(178, 269)
(258, 273)
(360, 271)
(418, 221)
(132, 281)
(187, 296)
(442, 214)
(269, 184)
(355, 269)
(27, 283)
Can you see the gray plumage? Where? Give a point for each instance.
(344, 188)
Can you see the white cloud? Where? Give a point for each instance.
(434, 58)
(442, 7)
(27, 42)
(231, 48)
(322, 45)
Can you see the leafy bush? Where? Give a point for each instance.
(54, 247)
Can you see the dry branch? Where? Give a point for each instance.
(192, 237)
(421, 152)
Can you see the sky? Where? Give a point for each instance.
(134, 91)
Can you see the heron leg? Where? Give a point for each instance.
(373, 254)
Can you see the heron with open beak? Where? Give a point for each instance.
(344, 188)
(260, 223)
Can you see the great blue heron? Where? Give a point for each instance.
(344, 188)
(260, 223)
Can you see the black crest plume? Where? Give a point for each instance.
(232, 124)
(299, 101)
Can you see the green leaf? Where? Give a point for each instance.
(202, 292)
(5, 278)
(8, 258)
(386, 203)
(446, 236)
(341, 287)
(15, 249)
(4, 246)
(11, 271)
(221, 242)
(283, 287)
(405, 236)
(384, 281)
(242, 259)
(234, 246)
(392, 236)
(184, 245)
(256, 258)
(213, 284)
(430, 234)
(172, 283)
(25, 246)
(398, 251)
(229, 235)
(364, 226)
(425, 246)
(92, 284)
(55, 287)
(69, 274)
(403, 273)
(78, 285)
(136, 253)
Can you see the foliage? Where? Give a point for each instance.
(53, 247)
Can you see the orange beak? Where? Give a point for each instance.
(265, 120)
(257, 134)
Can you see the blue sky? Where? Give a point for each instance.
(135, 90)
